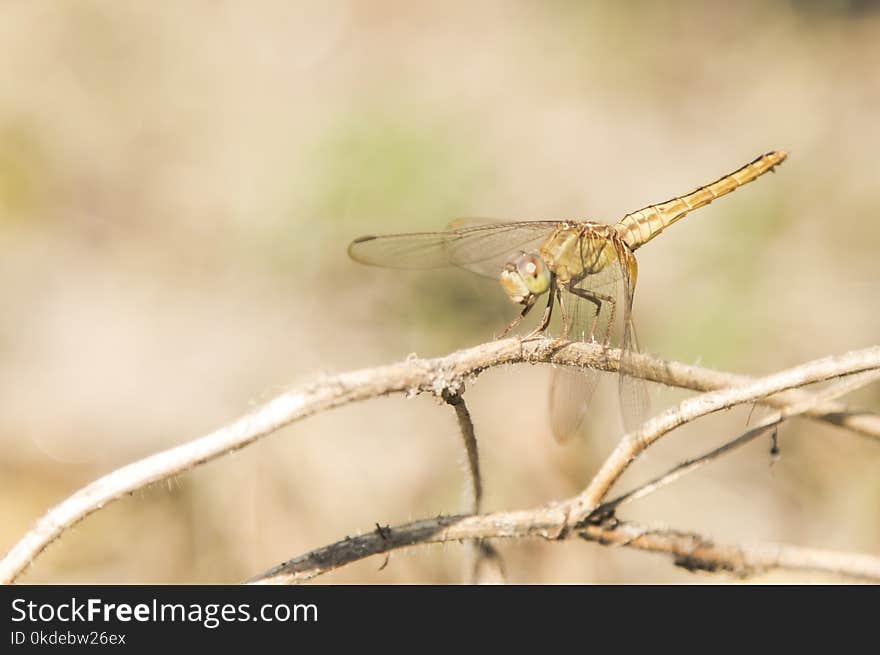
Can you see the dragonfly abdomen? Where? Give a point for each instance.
(639, 227)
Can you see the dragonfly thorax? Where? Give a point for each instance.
(524, 277)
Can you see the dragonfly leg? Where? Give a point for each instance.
(517, 320)
(548, 312)
(597, 299)
(566, 322)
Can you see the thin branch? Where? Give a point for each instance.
(696, 553)
(466, 426)
(688, 466)
(685, 376)
(634, 444)
(412, 375)
(482, 553)
(837, 390)
(690, 550)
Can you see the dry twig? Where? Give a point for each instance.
(772, 422)
(482, 553)
(690, 550)
(635, 443)
(436, 376)
(466, 425)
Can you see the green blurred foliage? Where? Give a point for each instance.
(386, 169)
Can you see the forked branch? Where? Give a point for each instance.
(838, 389)
(690, 550)
(444, 374)
(635, 443)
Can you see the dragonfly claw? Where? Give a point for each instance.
(534, 335)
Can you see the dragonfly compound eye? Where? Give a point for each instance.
(524, 277)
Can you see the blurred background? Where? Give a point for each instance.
(178, 185)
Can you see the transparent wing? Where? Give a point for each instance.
(599, 309)
(633, 391)
(634, 400)
(591, 317)
(570, 388)
(478, 245)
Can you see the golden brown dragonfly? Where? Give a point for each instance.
(588, 269)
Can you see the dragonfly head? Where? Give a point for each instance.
(524, 277)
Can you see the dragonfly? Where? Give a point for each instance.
(588, 269)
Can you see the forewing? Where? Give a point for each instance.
(484, 246)
(478, 245)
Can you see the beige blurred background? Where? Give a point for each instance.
(178, 185)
